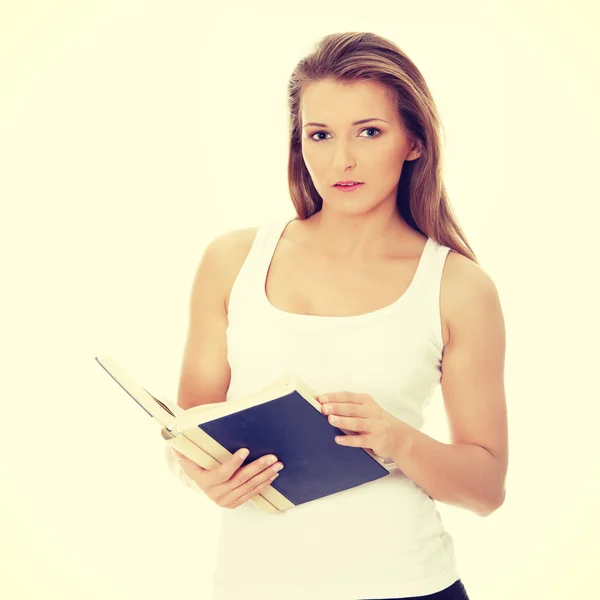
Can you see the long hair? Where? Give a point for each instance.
(422, 200)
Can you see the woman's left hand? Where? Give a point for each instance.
(379, 430)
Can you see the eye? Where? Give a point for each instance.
(373, 129)
(312, 137)
(366, 129)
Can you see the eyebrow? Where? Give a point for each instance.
(355, 122)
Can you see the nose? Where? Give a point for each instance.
(342, 156)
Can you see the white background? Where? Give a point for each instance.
(132, 133)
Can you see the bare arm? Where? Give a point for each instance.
(205, 374)
(471, 471)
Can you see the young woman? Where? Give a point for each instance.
(374, 297)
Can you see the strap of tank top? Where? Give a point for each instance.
(428, 286)
(267, 238)
(246, 286)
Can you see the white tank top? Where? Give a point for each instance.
(384, 539)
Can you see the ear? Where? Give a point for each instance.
(415, 151)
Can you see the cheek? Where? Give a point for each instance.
(389, 163)
(316, 164)
(389, 152)
(310, 156)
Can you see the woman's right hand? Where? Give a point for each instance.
(228, 485)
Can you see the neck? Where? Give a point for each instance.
(358, 237)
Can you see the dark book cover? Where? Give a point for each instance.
(303, 440)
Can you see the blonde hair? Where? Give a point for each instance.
(422, 199)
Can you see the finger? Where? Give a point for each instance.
(255, 490)
(229, 467)
(351, 423)
(345, 397)
(260, 466)
(344, 410)
(351, 440)
(228, 492)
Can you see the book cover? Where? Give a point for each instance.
(284, 419)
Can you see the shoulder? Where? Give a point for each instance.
(470, 296)
(233, 242)
(229, 251)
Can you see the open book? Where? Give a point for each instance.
(284, 419)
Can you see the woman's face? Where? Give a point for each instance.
(335, 149)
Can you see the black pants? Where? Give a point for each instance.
(455, 592)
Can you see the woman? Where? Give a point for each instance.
(373, 296)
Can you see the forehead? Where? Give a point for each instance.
(329, 101)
